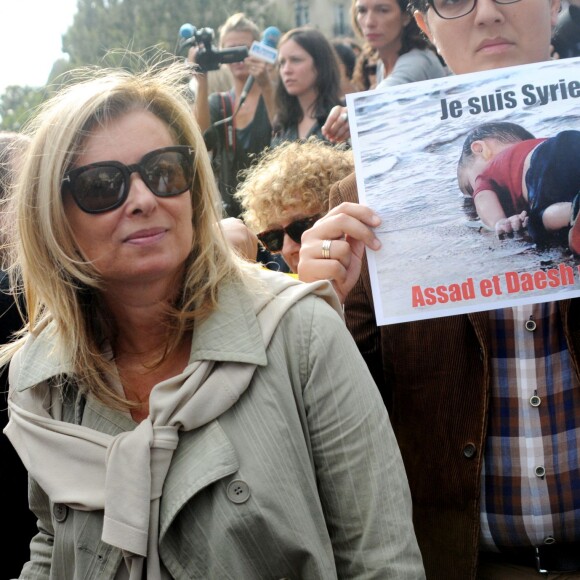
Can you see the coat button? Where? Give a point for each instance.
(535, 401)
(238, 491)
(469, 450)
(60, 511)
(531, 325)
(540, 471)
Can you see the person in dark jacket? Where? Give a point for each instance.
(484, 405)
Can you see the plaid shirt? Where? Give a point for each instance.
(531, 472)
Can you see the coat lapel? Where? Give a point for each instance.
(202, 457)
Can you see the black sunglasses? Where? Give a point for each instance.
(104, 186)
(274, 239)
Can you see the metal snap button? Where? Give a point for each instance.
(238, 491)
(60, 512)
(535, 401)
(469, 450)
(540, 471)
(531, 325)
(549, 540)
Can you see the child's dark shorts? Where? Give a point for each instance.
(553, 176)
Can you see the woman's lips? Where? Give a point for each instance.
(494, 45)
(148, 236)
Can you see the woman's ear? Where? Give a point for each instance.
(422, 24)
(555, 8)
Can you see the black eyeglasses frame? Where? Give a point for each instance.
(68, 181)
(431, 3)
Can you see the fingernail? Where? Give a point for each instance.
(376, 244)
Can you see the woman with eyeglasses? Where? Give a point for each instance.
(286, 192)
(181, 413)
(493, 471)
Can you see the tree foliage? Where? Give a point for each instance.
(18, 104)
(103, 29)
(104, 32)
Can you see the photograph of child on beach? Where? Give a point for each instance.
(480, 210)
(518, 182)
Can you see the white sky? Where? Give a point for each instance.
(30, 39)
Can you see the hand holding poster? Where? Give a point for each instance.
(476, 179)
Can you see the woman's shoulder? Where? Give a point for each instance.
(428, 60)
(38, 359)
(418, 64)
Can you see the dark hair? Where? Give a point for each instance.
(502, 131)
(346, 55)
(327, 78)
(420, 5)
(412, 36)
(362, 69)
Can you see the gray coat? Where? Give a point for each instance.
(301, 478)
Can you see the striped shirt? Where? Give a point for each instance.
(531, 473)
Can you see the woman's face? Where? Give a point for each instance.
(238, 38)
(148, 238)
(381, 22)
(297, 70)
(291, 249)
(493, 35)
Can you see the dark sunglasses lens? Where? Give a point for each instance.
(168, 173)
(99, 189)
(297, 228)
(273, 240)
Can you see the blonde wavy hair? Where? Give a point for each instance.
(293, 176)
(238, 22)
(59, 287)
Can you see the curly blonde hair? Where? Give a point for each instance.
(295, 175)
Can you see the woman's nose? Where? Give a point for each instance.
(140, 199)
(488, 11)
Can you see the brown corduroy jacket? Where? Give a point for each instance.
(434, 376)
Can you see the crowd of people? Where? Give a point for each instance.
(184, 412)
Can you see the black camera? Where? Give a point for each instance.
(208, 56)
(566, 38)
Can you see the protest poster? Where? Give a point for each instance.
(438, 257)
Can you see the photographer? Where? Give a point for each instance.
(234, 143)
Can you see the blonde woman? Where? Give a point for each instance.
(286, 191)
(248, 133)
(182, 414)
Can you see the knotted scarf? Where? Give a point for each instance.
(124, 474)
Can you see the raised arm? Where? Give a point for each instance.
(262, 73)
(348, 228)
(201, 105)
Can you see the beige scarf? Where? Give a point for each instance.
(124, 474)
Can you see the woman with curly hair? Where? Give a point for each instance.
(309, 84)
(287, 191)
